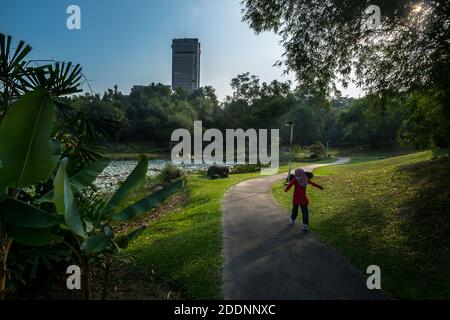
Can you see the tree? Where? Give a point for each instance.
(325, 41)
(206, 105)
(372, 120)
(423, 121)
(309, 113)
(255, 105)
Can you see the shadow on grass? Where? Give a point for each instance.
(185, 261)
(406, 231)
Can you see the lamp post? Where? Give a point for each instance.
(290, 124)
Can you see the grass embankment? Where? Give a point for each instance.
(370, 154)
(131, 151)
(182, 250)
(392, 213)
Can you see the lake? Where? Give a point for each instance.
(118, 170)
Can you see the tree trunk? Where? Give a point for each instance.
(4, 250)
(105, 279)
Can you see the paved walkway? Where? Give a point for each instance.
(267, 259)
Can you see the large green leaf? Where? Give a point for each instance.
(64, 202)
(87, 176)
(130, 183)
(21, 214)
(81, 179)
(26, 153)
(152, 201)
(98, 242)
(32, 237)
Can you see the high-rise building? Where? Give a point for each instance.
(186, 64)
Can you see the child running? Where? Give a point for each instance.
(300, 181)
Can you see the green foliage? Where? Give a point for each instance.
(59, 78)
(245, 168)
(34, 264)
(154, 111)
(21, 214)
(152, 201)
(28, 158)
(170, 172)
(26, 154)
(317, 150)
(32, 236)
(64, 201)
(131, 182)
(98, 242)
(80, 179)
(371, 120)
(325, 41)
(426, 119)
(86, 176)
(12, 70)
(255, 105)
(405, 60)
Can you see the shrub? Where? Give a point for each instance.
(170, 172)
(246, 168)
(317, 150)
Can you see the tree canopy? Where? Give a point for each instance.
(327, 41)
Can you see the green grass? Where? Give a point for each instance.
(182, 251)
(392, 213)
(131, 151)
(386, 151)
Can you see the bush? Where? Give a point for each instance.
(170, 172)
(317, 150)
(246, 168)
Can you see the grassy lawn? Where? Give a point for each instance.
(182, 251)
(371, 152)
(392, 213)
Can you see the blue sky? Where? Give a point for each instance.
(128, 42)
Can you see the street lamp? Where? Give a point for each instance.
(290, 124)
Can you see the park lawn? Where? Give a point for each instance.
(182, 251)
(393, 213)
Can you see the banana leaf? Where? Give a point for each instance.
(152, 201)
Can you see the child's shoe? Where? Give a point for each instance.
(292, 222)
(305, 227)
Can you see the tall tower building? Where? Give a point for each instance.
(186, 64)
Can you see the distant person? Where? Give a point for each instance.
(300, 181)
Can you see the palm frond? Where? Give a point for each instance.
(59, 78)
